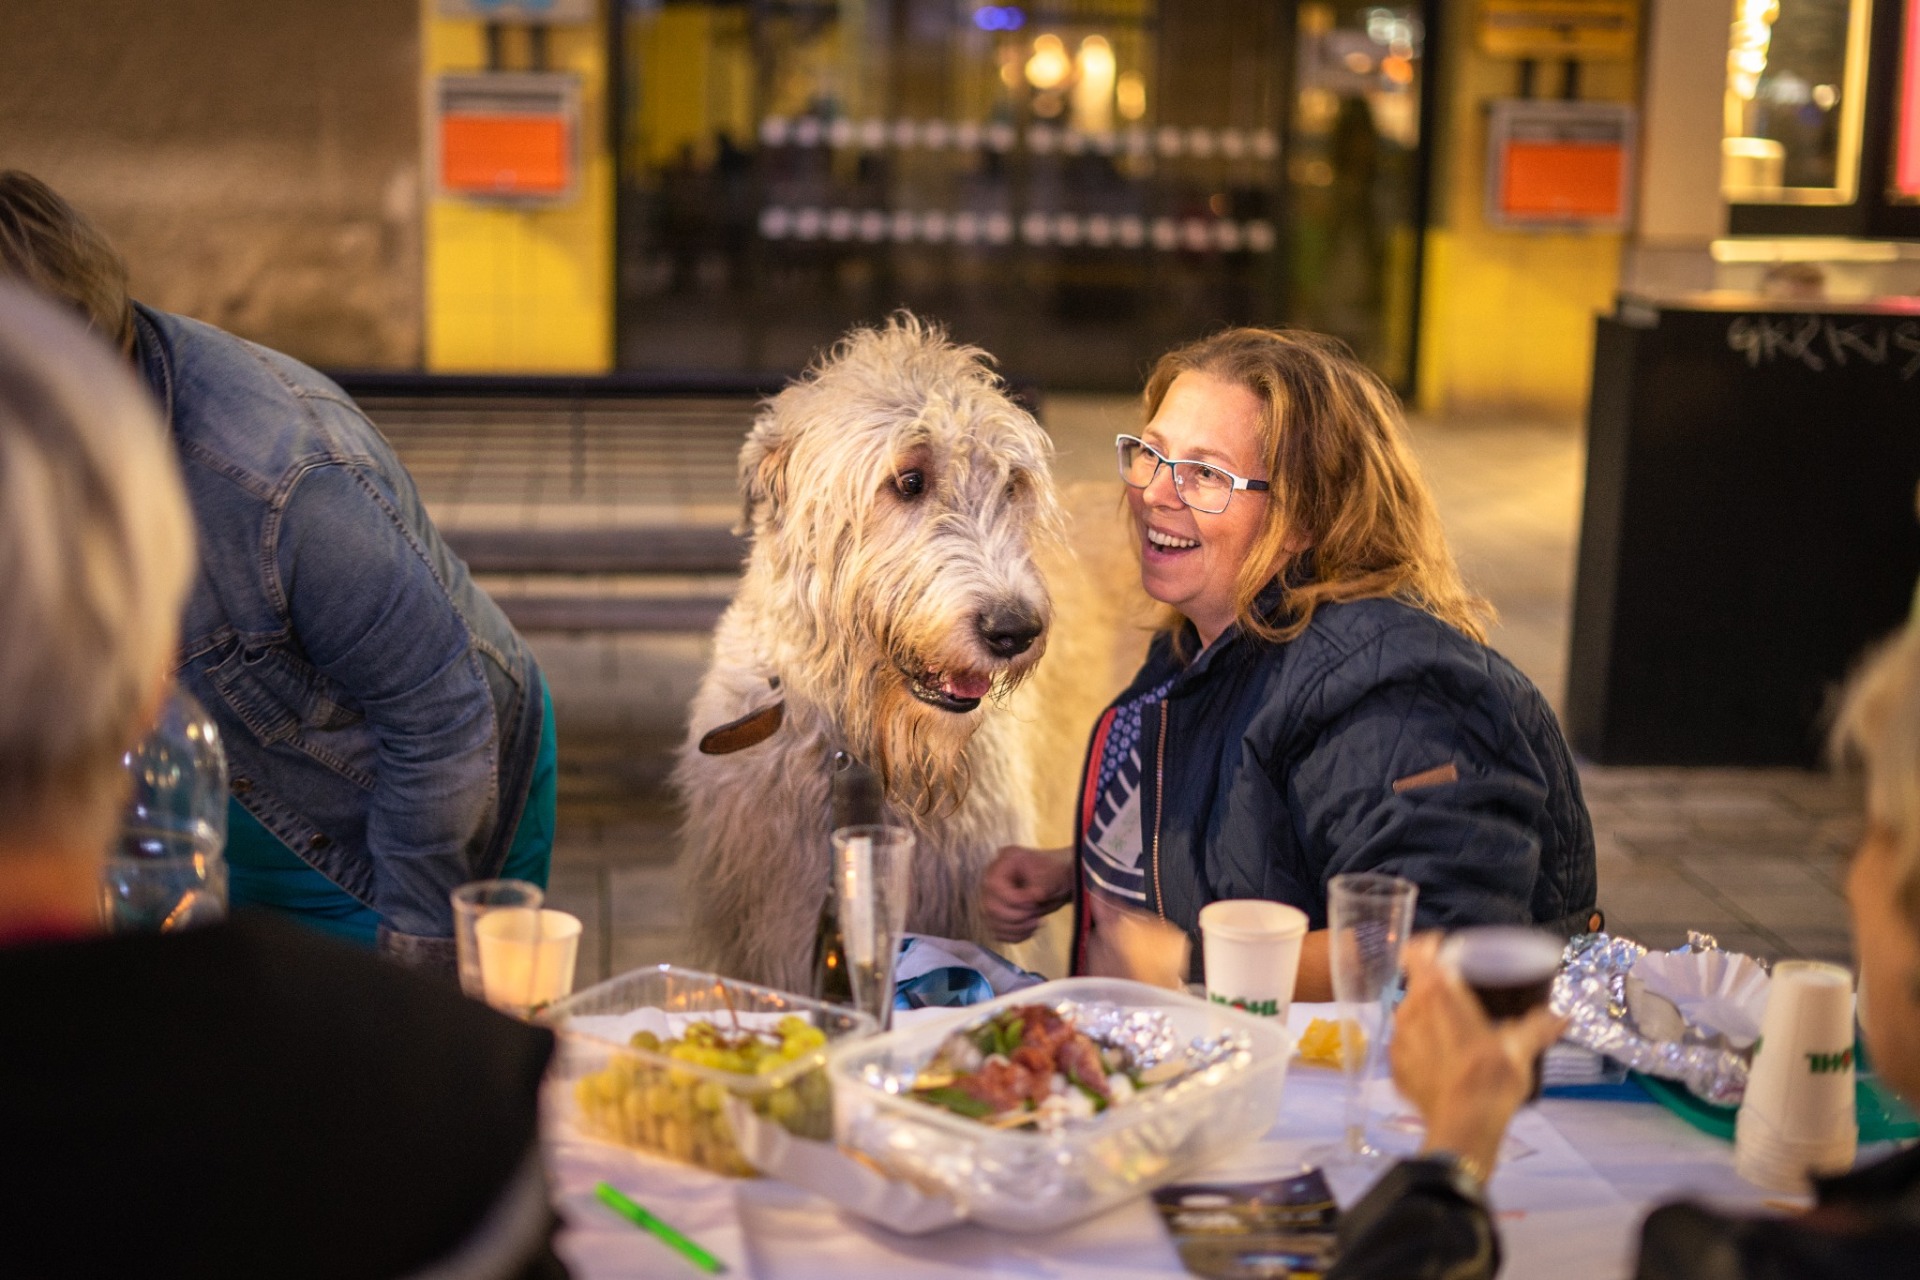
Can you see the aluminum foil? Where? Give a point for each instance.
(1591, 992)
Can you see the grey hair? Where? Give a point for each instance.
(1878, 728)
(96, 553)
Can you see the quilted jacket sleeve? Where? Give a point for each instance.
(1408, 760)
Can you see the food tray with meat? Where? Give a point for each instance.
(1057, 1102)
(649, 1059)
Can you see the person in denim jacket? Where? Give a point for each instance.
(384, 724)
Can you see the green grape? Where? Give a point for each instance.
(783, 1105)
(645, 1040)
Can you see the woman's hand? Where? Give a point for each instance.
(1137, 945)
(1465, 1074)
(1022, 886)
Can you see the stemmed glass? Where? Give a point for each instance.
(872, 881)
(1369, 917)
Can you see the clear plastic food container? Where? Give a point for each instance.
(646, 1097)
(1024, 1180)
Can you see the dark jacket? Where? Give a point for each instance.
(379, 713)
(252, 1099)
(1380, 739)
(1421, 1223)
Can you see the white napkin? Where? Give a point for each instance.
(1719, 992)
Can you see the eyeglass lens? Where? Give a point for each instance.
(1201, 487)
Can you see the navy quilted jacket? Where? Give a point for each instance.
(1380, 739)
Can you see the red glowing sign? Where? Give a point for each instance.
(1906, 145)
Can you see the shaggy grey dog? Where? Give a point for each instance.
(897, 499)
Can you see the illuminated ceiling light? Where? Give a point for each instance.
(1130, 95)
(1093, 89)
(1049, 66)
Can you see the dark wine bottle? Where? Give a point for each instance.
(854, 801)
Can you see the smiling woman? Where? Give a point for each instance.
(1320, 698)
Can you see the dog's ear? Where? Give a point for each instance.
(763, 472)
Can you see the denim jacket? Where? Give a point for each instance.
(380, 714)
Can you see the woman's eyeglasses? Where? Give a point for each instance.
(1201, 485)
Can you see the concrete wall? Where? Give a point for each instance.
(257, 161)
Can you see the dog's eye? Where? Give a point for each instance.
(911, 484)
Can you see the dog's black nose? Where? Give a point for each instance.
(1008, 630)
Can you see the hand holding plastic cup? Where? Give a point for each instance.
(1252, 952)
(1510, 969)
(1798, 1117)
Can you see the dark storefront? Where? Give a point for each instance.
(1075, 186)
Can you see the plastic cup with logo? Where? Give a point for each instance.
(1798, 1119)
(1252, 952)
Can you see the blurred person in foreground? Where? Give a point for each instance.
(388, 735)
(248, 1099)
(1429, 1218)
(1320, 699)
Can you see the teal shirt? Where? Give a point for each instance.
(263, 873)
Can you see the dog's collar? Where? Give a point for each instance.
(750, 730)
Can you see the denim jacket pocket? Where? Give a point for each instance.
(315, 701)
(286, 703)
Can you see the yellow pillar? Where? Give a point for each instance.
(1506, 317)
(518, 288)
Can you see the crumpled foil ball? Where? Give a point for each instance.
(1591, 992)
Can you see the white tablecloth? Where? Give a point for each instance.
(1573, 1185)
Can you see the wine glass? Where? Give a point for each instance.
(1369, 917)
(872, 883)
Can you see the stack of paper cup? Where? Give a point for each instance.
(1797, 1119)
(1252, 953)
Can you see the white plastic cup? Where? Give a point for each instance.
(1797, 1118)
(1251, 948)
(527, 957)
